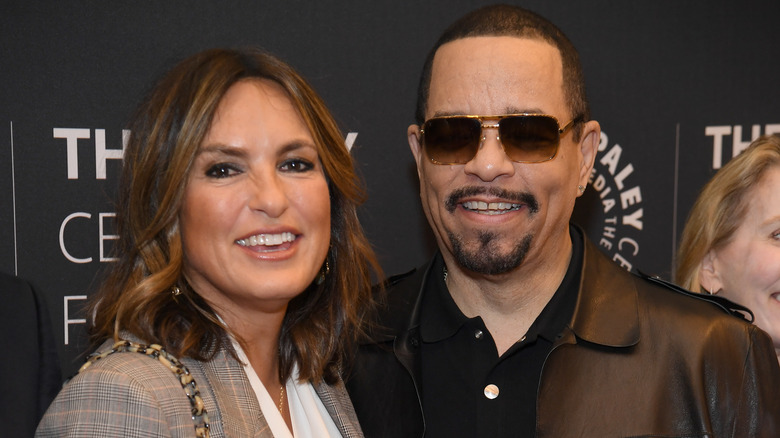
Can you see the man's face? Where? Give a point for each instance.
(492, 215)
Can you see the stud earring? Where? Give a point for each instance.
(175, 291)
(581, 188)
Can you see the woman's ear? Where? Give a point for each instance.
(709, 277)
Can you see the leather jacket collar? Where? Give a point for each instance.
(599, 317)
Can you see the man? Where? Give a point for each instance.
(519, 326)
(30, 368)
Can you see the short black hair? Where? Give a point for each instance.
(506, 20)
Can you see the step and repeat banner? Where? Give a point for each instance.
(679, 87)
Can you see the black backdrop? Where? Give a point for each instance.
(678, 86)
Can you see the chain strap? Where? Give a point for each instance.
(199, 415)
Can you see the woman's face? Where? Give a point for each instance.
(748, 267)
(255, 220)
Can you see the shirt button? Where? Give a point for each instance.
(491, 391)
(478, 334)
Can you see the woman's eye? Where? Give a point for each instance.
(221, 170)
(297, 165)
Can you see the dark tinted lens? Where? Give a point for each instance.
(451, 140)
(529, 138)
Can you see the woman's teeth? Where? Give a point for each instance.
(267, 239)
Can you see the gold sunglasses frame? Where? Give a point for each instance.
(495, 125)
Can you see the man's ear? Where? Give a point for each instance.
(708, 273)
(589, 144)
(415, 143)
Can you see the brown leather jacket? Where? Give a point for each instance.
(639, 358)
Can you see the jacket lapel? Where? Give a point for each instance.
(238, 412)
(607, 310)
(338, 405)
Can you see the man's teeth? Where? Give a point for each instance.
(490, 208)
(267, 239)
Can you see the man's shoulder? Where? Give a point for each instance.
(663, 293)
(692, 318)
(656, 295)
(18, 296)
(12, 282)
(662, 320)
(396, 298)
(403, 289)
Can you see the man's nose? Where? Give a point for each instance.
(491, 161)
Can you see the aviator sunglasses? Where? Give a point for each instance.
(526, 138)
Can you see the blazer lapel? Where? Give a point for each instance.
(238, 413)
(336, 401)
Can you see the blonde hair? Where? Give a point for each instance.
(321, 323)
(721, 206)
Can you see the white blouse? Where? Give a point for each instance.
(309, 416)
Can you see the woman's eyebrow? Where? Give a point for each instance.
(222, 149)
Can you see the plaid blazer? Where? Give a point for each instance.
(131, 394)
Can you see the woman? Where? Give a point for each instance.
(240, 254)
(731, 243)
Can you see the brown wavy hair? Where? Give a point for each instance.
(721, 207)
(167, 129)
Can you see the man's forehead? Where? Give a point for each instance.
(509, 44)
(499, 74)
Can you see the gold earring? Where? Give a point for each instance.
(324, 271)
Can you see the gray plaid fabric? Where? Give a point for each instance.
(130, 394)
(337, 402)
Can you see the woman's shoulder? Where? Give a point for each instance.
(127, 360)
(119, 392)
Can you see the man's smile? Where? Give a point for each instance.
(490, 208)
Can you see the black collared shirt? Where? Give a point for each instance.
(461, 370)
